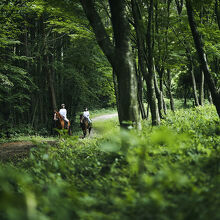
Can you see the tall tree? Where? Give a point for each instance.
(119, 56)
(145, 55)
(202, 56)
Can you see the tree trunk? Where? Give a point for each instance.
(119, 57)
(160, 73)
(179, 5)
(150, 81)
(210, 97)
(202, 57)
(115, 88)
(201, 89)
(51, 85)
(217, 12)
(148, 109)
(159, 96)
(140, 91)
(146, 60)
(169, 91)
(191, 69)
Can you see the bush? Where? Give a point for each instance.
(166, 172)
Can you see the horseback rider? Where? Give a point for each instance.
(86, 115)
(63, 113)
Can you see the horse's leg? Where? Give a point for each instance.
(62, 124)
(84, 133)
(69, 131)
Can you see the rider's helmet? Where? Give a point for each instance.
(63, 105)
(85, 109)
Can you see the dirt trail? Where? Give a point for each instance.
(104, 117)
(20, 149)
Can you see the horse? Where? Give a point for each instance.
(61, 122)
(85, 125)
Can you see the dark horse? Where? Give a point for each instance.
(85, 125)
(61, 124)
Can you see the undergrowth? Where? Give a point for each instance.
(166, 172)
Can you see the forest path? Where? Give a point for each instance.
(21, 149)
(104, 117)
(98, 119)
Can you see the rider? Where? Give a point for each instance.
(63, 113)
(86, 115)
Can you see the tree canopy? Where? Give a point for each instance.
(104, 54)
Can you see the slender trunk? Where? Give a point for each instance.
(34, 113)
(159, 96)
(48, 70)
(150, 81)
(26, 45)
(202, 57)
(217, 12)
(170, 91)
(191, 69)
(140, 90)
(201, 89)
(179, 5)
(185, 97)
(148, 110)
(146, 60)
(164, 104)
(115, 88)
(160, 73)
(210, 97)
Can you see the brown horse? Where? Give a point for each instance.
(61, 123)
(85, 125)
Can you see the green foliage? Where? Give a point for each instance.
(166, 172)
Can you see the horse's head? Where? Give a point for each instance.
(57, 115)
(81, 117)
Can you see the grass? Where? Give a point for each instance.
(165, 172)
(34, 138)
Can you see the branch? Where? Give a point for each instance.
(99, 29)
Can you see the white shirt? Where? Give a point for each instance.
(86, 114)
(63, 112)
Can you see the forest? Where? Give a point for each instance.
(149, 73)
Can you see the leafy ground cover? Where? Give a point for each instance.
(166, 172)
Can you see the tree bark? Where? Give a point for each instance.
(201, 89)
(202, 57)
(179, 5)
(115, 88)
(169, 91)
(161, 73)
(210, 97)
(191, 69)
(217, 12)
(146, 60)
(140, 91)
(119, 57)
(150, 81)
(51, 85)
(159, 96)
